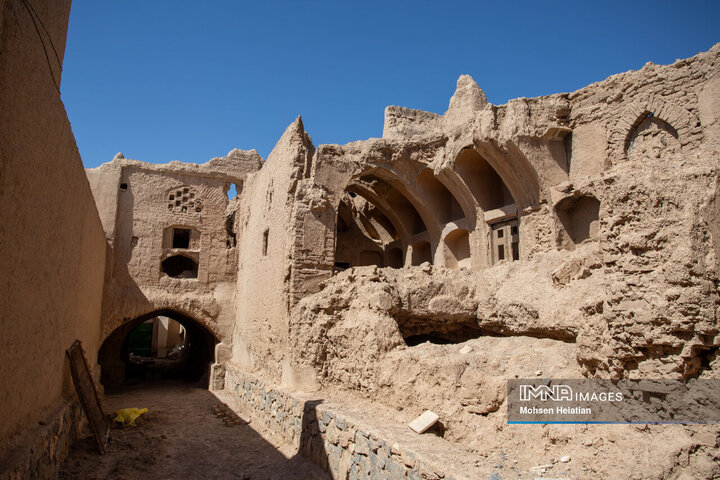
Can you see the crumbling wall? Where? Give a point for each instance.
(615, 192)
(142, 206)
(52, 241)
(265, 244)
(173, 247)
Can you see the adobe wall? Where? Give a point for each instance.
(52, 239)
(144, 207)
(609, 196)
(267, 241)
(569, 162)
(560, 170)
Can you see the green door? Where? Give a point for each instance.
(140, 340)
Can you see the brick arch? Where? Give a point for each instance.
(679, 118)
(179, 314)
(112, 354)
(153, 307)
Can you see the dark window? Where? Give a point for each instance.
(515, 251)
(231, 239)
(181, 238)
(514, 230)
(501, 252)
(180, 266)
(501, 233)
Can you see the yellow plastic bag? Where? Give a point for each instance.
(127, 416)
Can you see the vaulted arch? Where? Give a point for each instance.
(487, 187)
(457, 249)
(401, 226)
(114, 358)
(392, 202)
(402, 194)
(509, 166)
(459, 190)
(438, 197)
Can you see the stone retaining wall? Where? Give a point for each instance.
(41, 453)
(329, 439)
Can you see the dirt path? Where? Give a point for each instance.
(181, 437)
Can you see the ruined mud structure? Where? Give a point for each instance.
(341, 290)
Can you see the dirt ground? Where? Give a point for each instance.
(181, 436)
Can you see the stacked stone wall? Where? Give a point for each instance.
(342, 446)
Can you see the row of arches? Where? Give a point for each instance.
(467, 216)
(411, 215)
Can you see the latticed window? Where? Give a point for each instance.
(505, 241)
(184, 200)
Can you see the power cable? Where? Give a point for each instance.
(33, 14)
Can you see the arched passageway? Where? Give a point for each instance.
(160, 345)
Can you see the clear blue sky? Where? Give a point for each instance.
(180, 80)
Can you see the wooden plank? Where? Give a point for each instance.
(87, 394)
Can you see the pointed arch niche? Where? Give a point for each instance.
(497, 229)
(376, 224)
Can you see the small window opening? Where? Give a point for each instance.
(123, 187)
(580, 219)
(266, 234)
(181, 238)
(231, 240)
(232, 191)
(180, 266)
(506, 243)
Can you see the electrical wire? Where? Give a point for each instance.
(33, 15)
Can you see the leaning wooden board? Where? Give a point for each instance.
(85, 388)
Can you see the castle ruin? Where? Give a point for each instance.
(576, 235)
